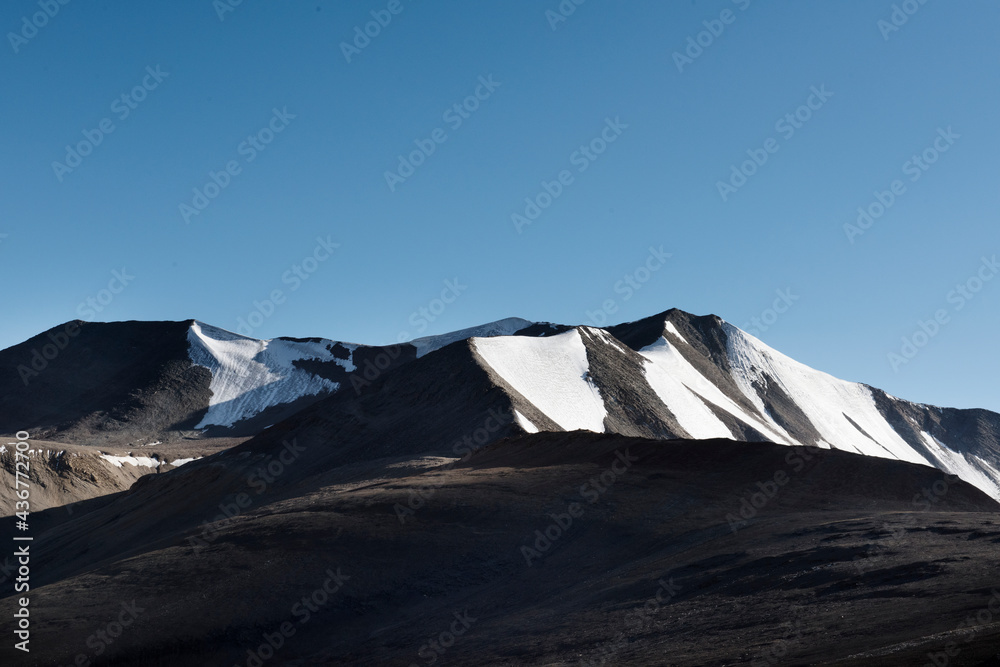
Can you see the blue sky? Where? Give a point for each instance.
(271, 82)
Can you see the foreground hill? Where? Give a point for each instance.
(541, 549)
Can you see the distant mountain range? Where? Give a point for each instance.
(669, 376)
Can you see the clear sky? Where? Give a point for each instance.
(615, 120)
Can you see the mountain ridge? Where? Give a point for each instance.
(667, 376)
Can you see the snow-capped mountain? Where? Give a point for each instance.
(670, 376)
(249, 375)
(704, 378)
(124, 382)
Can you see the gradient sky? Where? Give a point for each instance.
(655, 185)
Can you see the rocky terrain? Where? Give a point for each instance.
(663, 492)
(543, 549)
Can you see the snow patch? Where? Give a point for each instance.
(552, 373)
(179, 462)
(665, 376)
(505, 327)
(250, 375)
(671, 329)
(138, 461)
(525, 423)
(981, 476)
(681, 388)
(825, 400)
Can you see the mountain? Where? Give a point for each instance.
(666, 491)
(135, 382)
(672, 375)
(121, 400)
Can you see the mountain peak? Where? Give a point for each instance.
(505, 327)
